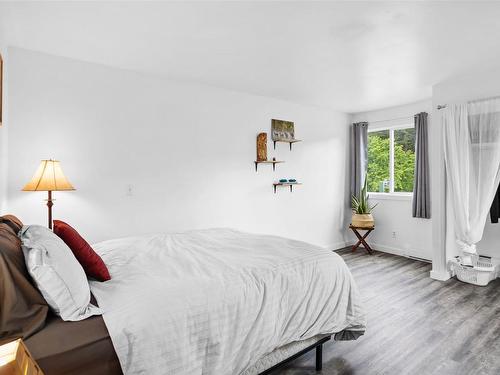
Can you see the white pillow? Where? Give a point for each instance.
(57, 273)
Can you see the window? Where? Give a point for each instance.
(391, 160)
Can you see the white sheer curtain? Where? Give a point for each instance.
(472, 156)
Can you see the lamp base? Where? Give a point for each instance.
(49, 207)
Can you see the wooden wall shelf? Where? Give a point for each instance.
(291, 184)
(273, 162)
(290, 142)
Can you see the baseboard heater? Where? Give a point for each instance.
(419, 259)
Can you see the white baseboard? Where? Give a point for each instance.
(390, 250)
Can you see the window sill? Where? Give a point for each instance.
(391, 196)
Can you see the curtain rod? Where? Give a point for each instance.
(441, 106)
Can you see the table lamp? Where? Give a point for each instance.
(49, 177)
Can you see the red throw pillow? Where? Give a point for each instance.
(91, 262)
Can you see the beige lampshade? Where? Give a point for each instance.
(49, 177)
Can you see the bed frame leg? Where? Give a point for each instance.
(319, 357)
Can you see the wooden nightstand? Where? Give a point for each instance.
(15, 359)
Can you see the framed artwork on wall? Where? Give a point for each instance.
(282, 130)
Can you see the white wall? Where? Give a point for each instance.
(472, 86)
(413, 236)
(3, 132)
(187, 151)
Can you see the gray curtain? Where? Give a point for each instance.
(359, 156)
(421, 190)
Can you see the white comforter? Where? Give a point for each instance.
(215, 301)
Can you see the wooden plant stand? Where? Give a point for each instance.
(362, 238)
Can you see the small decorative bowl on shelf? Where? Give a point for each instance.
(286, 182)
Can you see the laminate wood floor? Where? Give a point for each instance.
(415, 325)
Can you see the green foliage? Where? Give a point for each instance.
(378, 160)
(404, 168)
(405, 138)
(404, 160)
(360, 204)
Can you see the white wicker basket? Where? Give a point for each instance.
(481, 273)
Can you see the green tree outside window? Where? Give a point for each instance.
(378, 174)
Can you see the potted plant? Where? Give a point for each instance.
(361, 209)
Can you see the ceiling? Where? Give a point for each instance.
(349, 56)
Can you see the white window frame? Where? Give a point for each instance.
(391, 194)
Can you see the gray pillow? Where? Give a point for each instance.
(57, 273)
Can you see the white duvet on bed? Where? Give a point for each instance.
(215, 301)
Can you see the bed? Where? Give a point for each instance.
(82, 347)
(85, 347)
(215, 301)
